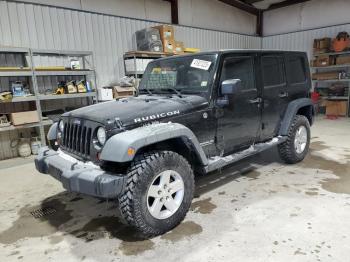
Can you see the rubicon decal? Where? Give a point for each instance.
(156, 116)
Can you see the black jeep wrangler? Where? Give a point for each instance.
(193, 114)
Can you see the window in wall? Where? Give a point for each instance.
(273, 70)
(296, 69)
(239, 68)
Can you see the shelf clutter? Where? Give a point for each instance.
(153, 43)
(34, 85)
(331, 75)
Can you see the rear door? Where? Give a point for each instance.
(275, 92)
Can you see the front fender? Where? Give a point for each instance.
(116, 147)
(291, 111)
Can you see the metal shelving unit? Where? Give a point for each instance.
(317, 84)
(32, 73)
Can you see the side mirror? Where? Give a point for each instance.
(230, 86)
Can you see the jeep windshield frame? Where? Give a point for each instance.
(189, 74)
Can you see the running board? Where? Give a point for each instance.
(218, 162)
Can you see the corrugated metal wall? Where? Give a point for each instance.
(44, 27)
(302, 41)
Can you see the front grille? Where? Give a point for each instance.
(77, 139)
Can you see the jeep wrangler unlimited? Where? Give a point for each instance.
(193, 114)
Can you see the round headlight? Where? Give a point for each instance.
(101, 135)
(61, 126)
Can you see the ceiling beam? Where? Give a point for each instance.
(174, 11)
(242, 6)
(285, 3)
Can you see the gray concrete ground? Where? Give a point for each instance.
(257, 210)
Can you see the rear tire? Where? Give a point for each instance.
(158, 193)
(295, 148)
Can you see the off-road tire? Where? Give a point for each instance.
(287, 150)
(133, 201)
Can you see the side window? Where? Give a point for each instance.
(273, 70)
(296, 70)
(239, 68)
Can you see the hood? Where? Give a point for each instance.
(141, 109)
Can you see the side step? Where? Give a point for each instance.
(218, 162)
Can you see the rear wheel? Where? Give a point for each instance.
(158, 193)
(295, 148)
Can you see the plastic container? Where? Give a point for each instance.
(35, 145)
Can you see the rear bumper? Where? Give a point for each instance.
(76, 176)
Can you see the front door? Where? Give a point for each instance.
(239, 121)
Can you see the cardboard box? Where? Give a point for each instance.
(324, 60)
(169, 46)
(119, 92)
(325, 76)
(343, 60)
(322, 45)
(166, 32)
(22, 118)
(105, 94)
(179, 47)
(336, 108)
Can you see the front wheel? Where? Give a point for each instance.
(295, 148)
(158, 193)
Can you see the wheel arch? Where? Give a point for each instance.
(301, 106)
(163, 136)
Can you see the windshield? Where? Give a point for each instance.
(186, 74)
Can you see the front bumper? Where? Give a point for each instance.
(77, 176)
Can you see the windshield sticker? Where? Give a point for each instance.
(204, 83)
(156, 70)
(201, 64)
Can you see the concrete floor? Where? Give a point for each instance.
(257, 210)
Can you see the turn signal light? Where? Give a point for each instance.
(131, 151)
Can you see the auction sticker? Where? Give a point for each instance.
(200, 64)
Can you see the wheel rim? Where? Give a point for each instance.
(165, 194)
(300, 139)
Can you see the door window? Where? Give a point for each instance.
(239, 68)
(273, 71)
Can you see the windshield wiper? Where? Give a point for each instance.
(172, 89)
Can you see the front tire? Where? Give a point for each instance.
(295, 148)
(158, 193)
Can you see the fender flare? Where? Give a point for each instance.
(52, 134)
(291, 111)
(116, 147)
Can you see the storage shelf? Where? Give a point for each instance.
(333, 53)
(9, 49)
(16, 73)
(60, 52)
(10, 128)
(145, 54)
(64, 73)
(331, 81)
(67, 96)
(331, 67)
(20, 99)
(336, 97)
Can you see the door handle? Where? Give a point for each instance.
(283, 94)
(258, 100)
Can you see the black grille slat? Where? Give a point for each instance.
(77, 137)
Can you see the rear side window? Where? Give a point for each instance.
(273, 70)
(296, 69)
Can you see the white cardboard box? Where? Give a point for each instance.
(105, 94)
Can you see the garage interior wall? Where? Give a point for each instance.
(295, 27)
(108, 36)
